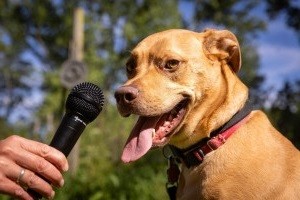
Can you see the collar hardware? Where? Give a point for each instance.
(195, 154)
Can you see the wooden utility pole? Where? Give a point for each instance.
(78, 35)
(77, 72)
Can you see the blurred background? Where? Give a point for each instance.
(48, 46)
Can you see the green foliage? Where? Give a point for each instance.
(142, 180)
(34, 28)
(285, 111)
(6, 128)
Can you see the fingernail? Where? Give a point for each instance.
(66, 167)
(61, 183)
(52, 195)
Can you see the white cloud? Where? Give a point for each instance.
(279, 59)
(279, 51)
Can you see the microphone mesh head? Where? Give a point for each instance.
(87, 100)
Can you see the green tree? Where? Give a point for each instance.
(15, 70)
(34, 28)
(285, 111)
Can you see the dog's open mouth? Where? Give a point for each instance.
(153, 131)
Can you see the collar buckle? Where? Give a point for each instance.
(194, 155)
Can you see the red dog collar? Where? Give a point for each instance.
(194, 155)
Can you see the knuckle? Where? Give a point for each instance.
(7, 150)
(32, 180)
(8, 145)
(19, 192)
(41, 166)
(3, 164)
(45, 150)
(13, 138)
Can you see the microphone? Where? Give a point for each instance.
(83, 105)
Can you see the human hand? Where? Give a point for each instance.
(22, 164)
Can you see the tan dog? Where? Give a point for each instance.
(183, 85)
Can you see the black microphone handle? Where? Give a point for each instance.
(68, 133)
(64, 139)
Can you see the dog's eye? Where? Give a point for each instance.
(130, 66)
(171, 64)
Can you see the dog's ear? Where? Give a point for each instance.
(222, 45)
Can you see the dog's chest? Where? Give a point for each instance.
(205, 181)
(195, 182)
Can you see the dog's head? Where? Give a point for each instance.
(175, 80)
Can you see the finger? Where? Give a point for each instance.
(9, 187)
(41, 167)
(16, 145)
(31, 161)
(30, 180)
(34, 182)
(51, 154)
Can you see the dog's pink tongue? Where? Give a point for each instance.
(140, 139)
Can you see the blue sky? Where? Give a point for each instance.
(279, 50)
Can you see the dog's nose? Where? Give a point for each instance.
(126, 94)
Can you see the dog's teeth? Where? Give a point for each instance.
(167, 123)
